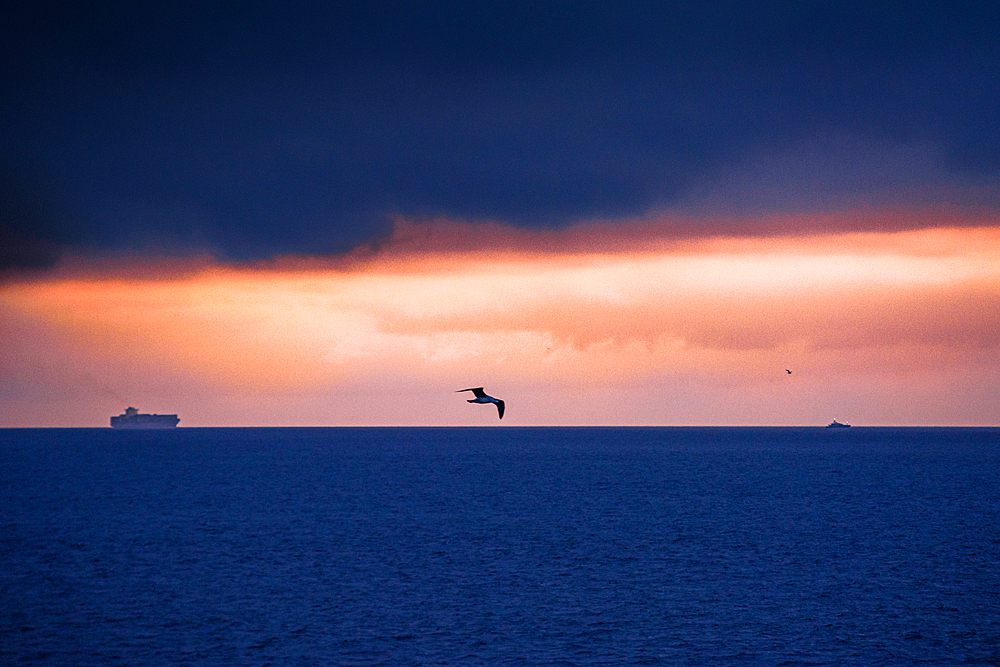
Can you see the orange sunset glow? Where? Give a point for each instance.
(577, 327)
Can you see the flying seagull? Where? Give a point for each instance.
(788, 371)
(482, 397)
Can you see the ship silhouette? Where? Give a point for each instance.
(132, 418)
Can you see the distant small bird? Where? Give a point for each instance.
(482, 397)
(788, 371)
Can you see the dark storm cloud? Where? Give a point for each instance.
(29, 234)
(257, 130)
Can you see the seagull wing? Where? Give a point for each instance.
(478, 391)
(500, 407)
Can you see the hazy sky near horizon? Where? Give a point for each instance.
(638, 213)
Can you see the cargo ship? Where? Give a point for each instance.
(131, 418)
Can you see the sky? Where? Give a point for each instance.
(631, 213)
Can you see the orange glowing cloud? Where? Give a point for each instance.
(577, 323)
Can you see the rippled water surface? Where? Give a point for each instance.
(501, 546)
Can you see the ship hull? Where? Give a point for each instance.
(145, 422)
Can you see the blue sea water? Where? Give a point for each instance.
(500, 546)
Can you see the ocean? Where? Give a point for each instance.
(500, 546)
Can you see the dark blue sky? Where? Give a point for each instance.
(254, 129)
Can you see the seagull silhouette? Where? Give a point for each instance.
(482, 397)
(788, 371)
